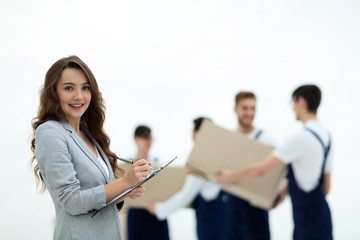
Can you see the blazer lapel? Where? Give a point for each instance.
(85, 149)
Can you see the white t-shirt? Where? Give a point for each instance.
(306, 154)
(192, 187)
(151, 159)
(264, 137)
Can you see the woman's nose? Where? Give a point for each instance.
(78, 95)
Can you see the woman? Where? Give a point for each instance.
(74, 160)
(151, 226)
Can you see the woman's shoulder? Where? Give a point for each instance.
(49, 127)
(49, 124)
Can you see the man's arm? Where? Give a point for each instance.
(227, 177)
(326, 184)
(280, 197)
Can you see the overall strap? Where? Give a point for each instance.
(258, 134)
(326, 150)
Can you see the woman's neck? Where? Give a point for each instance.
(75, 125)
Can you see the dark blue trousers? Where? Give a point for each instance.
(208, 218)
(242, 221)
(311, 213)
(142, 225)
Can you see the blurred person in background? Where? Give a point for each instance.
(141, 224)
(203, 196)
(242, 220)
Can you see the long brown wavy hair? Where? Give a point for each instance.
(93, 118)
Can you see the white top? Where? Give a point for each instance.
(154, 159)
(193, 186)
(102, 162)
(151, 159)
(264, 137)
(306, 154)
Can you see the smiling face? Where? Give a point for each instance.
(73, 90)
(245, 111)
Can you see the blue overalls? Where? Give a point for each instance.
(311, 213)
(142, 225)
(242, 221)
(208, 217)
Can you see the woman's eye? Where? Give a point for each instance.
(68, 88)
(86, 88)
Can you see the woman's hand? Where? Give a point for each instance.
(137, 192)
(138, 172)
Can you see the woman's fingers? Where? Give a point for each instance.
(137, 192)
(139, 171)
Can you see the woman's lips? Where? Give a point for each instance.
(76, 105)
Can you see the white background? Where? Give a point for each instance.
(164, 63)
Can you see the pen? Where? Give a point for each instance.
(130, 161)
(125, 160)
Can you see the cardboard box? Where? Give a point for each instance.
(161, 187)
(216, 147)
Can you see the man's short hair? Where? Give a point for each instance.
(142, 131)
(244, 95)
(312, 95)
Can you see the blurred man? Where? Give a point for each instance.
(241, 220)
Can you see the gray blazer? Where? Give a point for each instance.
(75, 180)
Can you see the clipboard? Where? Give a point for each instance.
(151, 175)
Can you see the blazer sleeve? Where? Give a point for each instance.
(57, 169)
